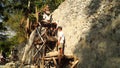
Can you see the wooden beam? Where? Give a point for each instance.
(49, 59)
(36, 14)
(52, 54)
(74, 63)
(55, 62)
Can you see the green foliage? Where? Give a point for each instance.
(8, 44)
(14, 20)
(2, 27)
(5, 46)
(13, 11)
(14, 23)
(53, 3)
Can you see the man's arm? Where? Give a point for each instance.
(59, 40)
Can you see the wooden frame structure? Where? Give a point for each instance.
(45, 56)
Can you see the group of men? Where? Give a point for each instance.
(60, 35)
(50, 30)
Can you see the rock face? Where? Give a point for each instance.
(92, 31)
(71, 15)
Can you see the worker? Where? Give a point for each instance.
(46, 15)
(61, 39)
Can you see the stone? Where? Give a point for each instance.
(86, 18)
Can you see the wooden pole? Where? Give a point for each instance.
(55, 62)
(36, 14)
(49, 58)
(43, 56)
(28, 23)
(74, 63)
(27, 27)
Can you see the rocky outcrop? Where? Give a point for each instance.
(92, 31)
(71, 15)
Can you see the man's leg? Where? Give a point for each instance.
(59, 56)
(60, 50)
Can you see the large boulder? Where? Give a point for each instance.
(92, 30)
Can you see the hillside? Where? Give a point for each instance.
(92, 31)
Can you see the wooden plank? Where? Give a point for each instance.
(74, 63)
(43, 62)
(55, 62)
(39, 50)
(49, 59)
(36, 14)
(52, 54)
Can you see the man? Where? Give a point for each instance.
(61, 40)
(46, 15)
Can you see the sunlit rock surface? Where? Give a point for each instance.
(92, 31)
